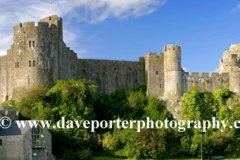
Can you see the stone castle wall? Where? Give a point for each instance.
(6, 76)
(154, 71)
(166, 79)
(39, 56)
(207, 83)
(31, 61)
(109, 75)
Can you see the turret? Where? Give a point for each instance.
(230, 64)
(172, 70)
(35, 55)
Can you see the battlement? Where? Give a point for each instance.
(170, 47)
(227, 52)
(215, 74)
(205, 74)
(44, 58)
(18, 25)
(54, 20)
(142, 59)
(31, 24)
(152, 53)
(194, 74)
(235, 47)
(41, 25)
(226, 75)
(52, 23)
(28, 24)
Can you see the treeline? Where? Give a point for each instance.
(79, 100)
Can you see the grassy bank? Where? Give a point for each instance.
(110, 158)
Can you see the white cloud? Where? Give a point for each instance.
(82, 53)
(99, 10)
(237, 7)
(69, 36)
(91, 11)
(216, 70)
(185, 69)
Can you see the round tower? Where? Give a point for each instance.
(172, 70)
(35, 52)
(230, 64)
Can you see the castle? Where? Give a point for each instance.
(39, 56)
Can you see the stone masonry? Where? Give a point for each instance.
(39, 56)
(18, 144)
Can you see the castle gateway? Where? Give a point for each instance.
(39, 56)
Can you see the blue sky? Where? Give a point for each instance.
(128, 29)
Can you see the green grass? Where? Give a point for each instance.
(105, 158)
(110, 158)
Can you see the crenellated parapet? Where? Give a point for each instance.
(54, 20)
(142, 59)
(30, 27)
(164, 75)
(33, 57)
(39, 56)
(208, 83)
(172, 57)
(171, 49)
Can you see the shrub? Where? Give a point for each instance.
(85, 154)
(110, 142)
